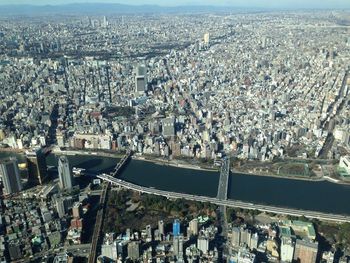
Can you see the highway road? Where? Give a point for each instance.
(228, 203)
(98, 225)
(223, 181)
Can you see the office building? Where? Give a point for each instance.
(77, 210)
(37, 168)
(141, 79)
(105, 22)
(134, 250)
(148, 233)
(246, 236)
(178, 247)
(64, 173)
(206, 39)
(236, 237)
(305, 251)
(176, 227)
(168, 127)
(109, 248)
(193, 227)
(63, 204)
(203, 244)
(161, 227)
(287, 249)
(122, 246)
(14, 251)
(254, 241)
(9, 175)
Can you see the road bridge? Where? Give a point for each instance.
(223, 181)
(228, 203)
(121, 163)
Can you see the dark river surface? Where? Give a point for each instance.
(319, 196)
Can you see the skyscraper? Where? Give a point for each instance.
(161, 227)
(9, 174)
(37, 169)
(141, 79)
(203, 244)
(168, 127)
(194, 226)
(178, 247)
(206, 39)
(287, 249)
(134, 250)
(105, 22)
(64, 173)
(236, 237)
(176, 227)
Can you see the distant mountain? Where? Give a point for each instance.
(105, 8)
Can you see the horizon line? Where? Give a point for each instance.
(180, 5)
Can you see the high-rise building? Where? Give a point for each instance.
(64, 173)
(77, 210)
(141, 79)
(105, 22)
(9, 175)
(194, 227)
(236, 236)
(206, 39)
(122, 248)
(63, 204)
(168, 127)
(246, 236)
(203, 244)
(37, 169)
(254, 242)
(178, 247)
(176, 227)
(305, 251)
(109, 247)
(149, 233)
(161, 227)
(287, 249)
(134, 250)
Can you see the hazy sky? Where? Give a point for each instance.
(239, 3)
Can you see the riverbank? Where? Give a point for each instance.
(173, 163)
(299, 178)
(88, 153)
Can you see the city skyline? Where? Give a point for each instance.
(343, 4)
(163, 133)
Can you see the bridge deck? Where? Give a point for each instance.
(121, 163)
(223, 182)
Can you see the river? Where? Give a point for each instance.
(321, 196)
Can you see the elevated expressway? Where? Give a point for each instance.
(225, 202)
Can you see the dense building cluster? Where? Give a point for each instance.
(31, 228)
(257, 86)
(196, 244)
(289, 241)
(250, 86)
